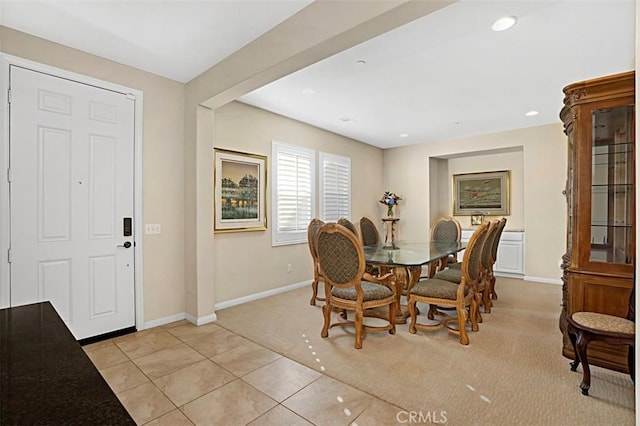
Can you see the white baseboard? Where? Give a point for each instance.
(213, 317)
(557, 281)
(202, 320)
(261, 295)
(508, 275)
(163, 321)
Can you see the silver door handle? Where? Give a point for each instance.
(126, 244)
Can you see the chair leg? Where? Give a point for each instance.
(412, 312)
(475, 314)
(314, 292)
(392, 318)
(433, 310)
(462, 325)
(326, 310)
(486, 300)
(478, 315)
(576, 359)
(581, 345)
(359, 327)
(494, 295)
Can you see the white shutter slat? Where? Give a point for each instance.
(292, 192)
(336, 186)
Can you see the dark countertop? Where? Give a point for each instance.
(45, 375)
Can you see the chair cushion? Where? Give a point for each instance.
(371, 291)
(434, 287)
(453, 275)
(604, 322)
(457, 266)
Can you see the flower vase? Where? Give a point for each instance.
(390, 211)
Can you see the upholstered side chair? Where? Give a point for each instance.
(348, 286)
(349, 225)
(369, 232)
(444, 229)
(312, 233)
(585, 327)
(437, 292)
(494, 256)
(486, 260)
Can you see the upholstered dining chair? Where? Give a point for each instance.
(454, 274)
(370, 237)
(444, 229)
(349, 225)
(437, 292)
(312, 233)
(494, 256)
(347, 285)
(585, 327)
(369, 232)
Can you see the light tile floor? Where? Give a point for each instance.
(180, 374)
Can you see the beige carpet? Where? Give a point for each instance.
(512, 372)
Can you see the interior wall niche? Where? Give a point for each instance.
(442, 168)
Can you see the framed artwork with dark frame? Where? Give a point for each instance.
(240, 181)
(481, 193)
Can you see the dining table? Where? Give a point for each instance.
(405, 260)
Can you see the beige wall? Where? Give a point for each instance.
(543, 217)
(308, 36)
(512, 161)
(163, 168)
(245, 263)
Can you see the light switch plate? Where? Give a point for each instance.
(152, 228)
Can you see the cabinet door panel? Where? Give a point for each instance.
(509, 257)
(599, 294)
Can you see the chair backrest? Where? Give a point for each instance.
(494, 250)
(369, 232)
(487, 248)
(348, 224)
(472, 260)
(340, 255)
(312, 236)
(446, 229)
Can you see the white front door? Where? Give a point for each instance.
(71, 200)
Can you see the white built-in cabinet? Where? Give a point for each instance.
(510, 261)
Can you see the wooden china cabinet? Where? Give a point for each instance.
(598, 117)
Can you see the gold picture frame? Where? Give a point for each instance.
(240, 181)
(484, 193)
(476, 219)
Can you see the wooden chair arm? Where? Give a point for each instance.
(383, 279)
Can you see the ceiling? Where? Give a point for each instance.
(444, 76)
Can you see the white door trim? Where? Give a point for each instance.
(8, 60)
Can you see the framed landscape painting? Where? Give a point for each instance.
(481, 193)
(240, 181)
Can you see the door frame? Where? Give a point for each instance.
(5, 225)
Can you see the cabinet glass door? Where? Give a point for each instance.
(612, 178)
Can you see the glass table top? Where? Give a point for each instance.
(411, 253)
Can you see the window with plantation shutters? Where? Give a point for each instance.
(335, 187)
(293, 192)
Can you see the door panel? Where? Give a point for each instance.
(71, 159)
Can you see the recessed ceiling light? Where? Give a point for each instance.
(308, 92)
(531, 113)
(504, 23)
(361, 62)
(404, 135)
